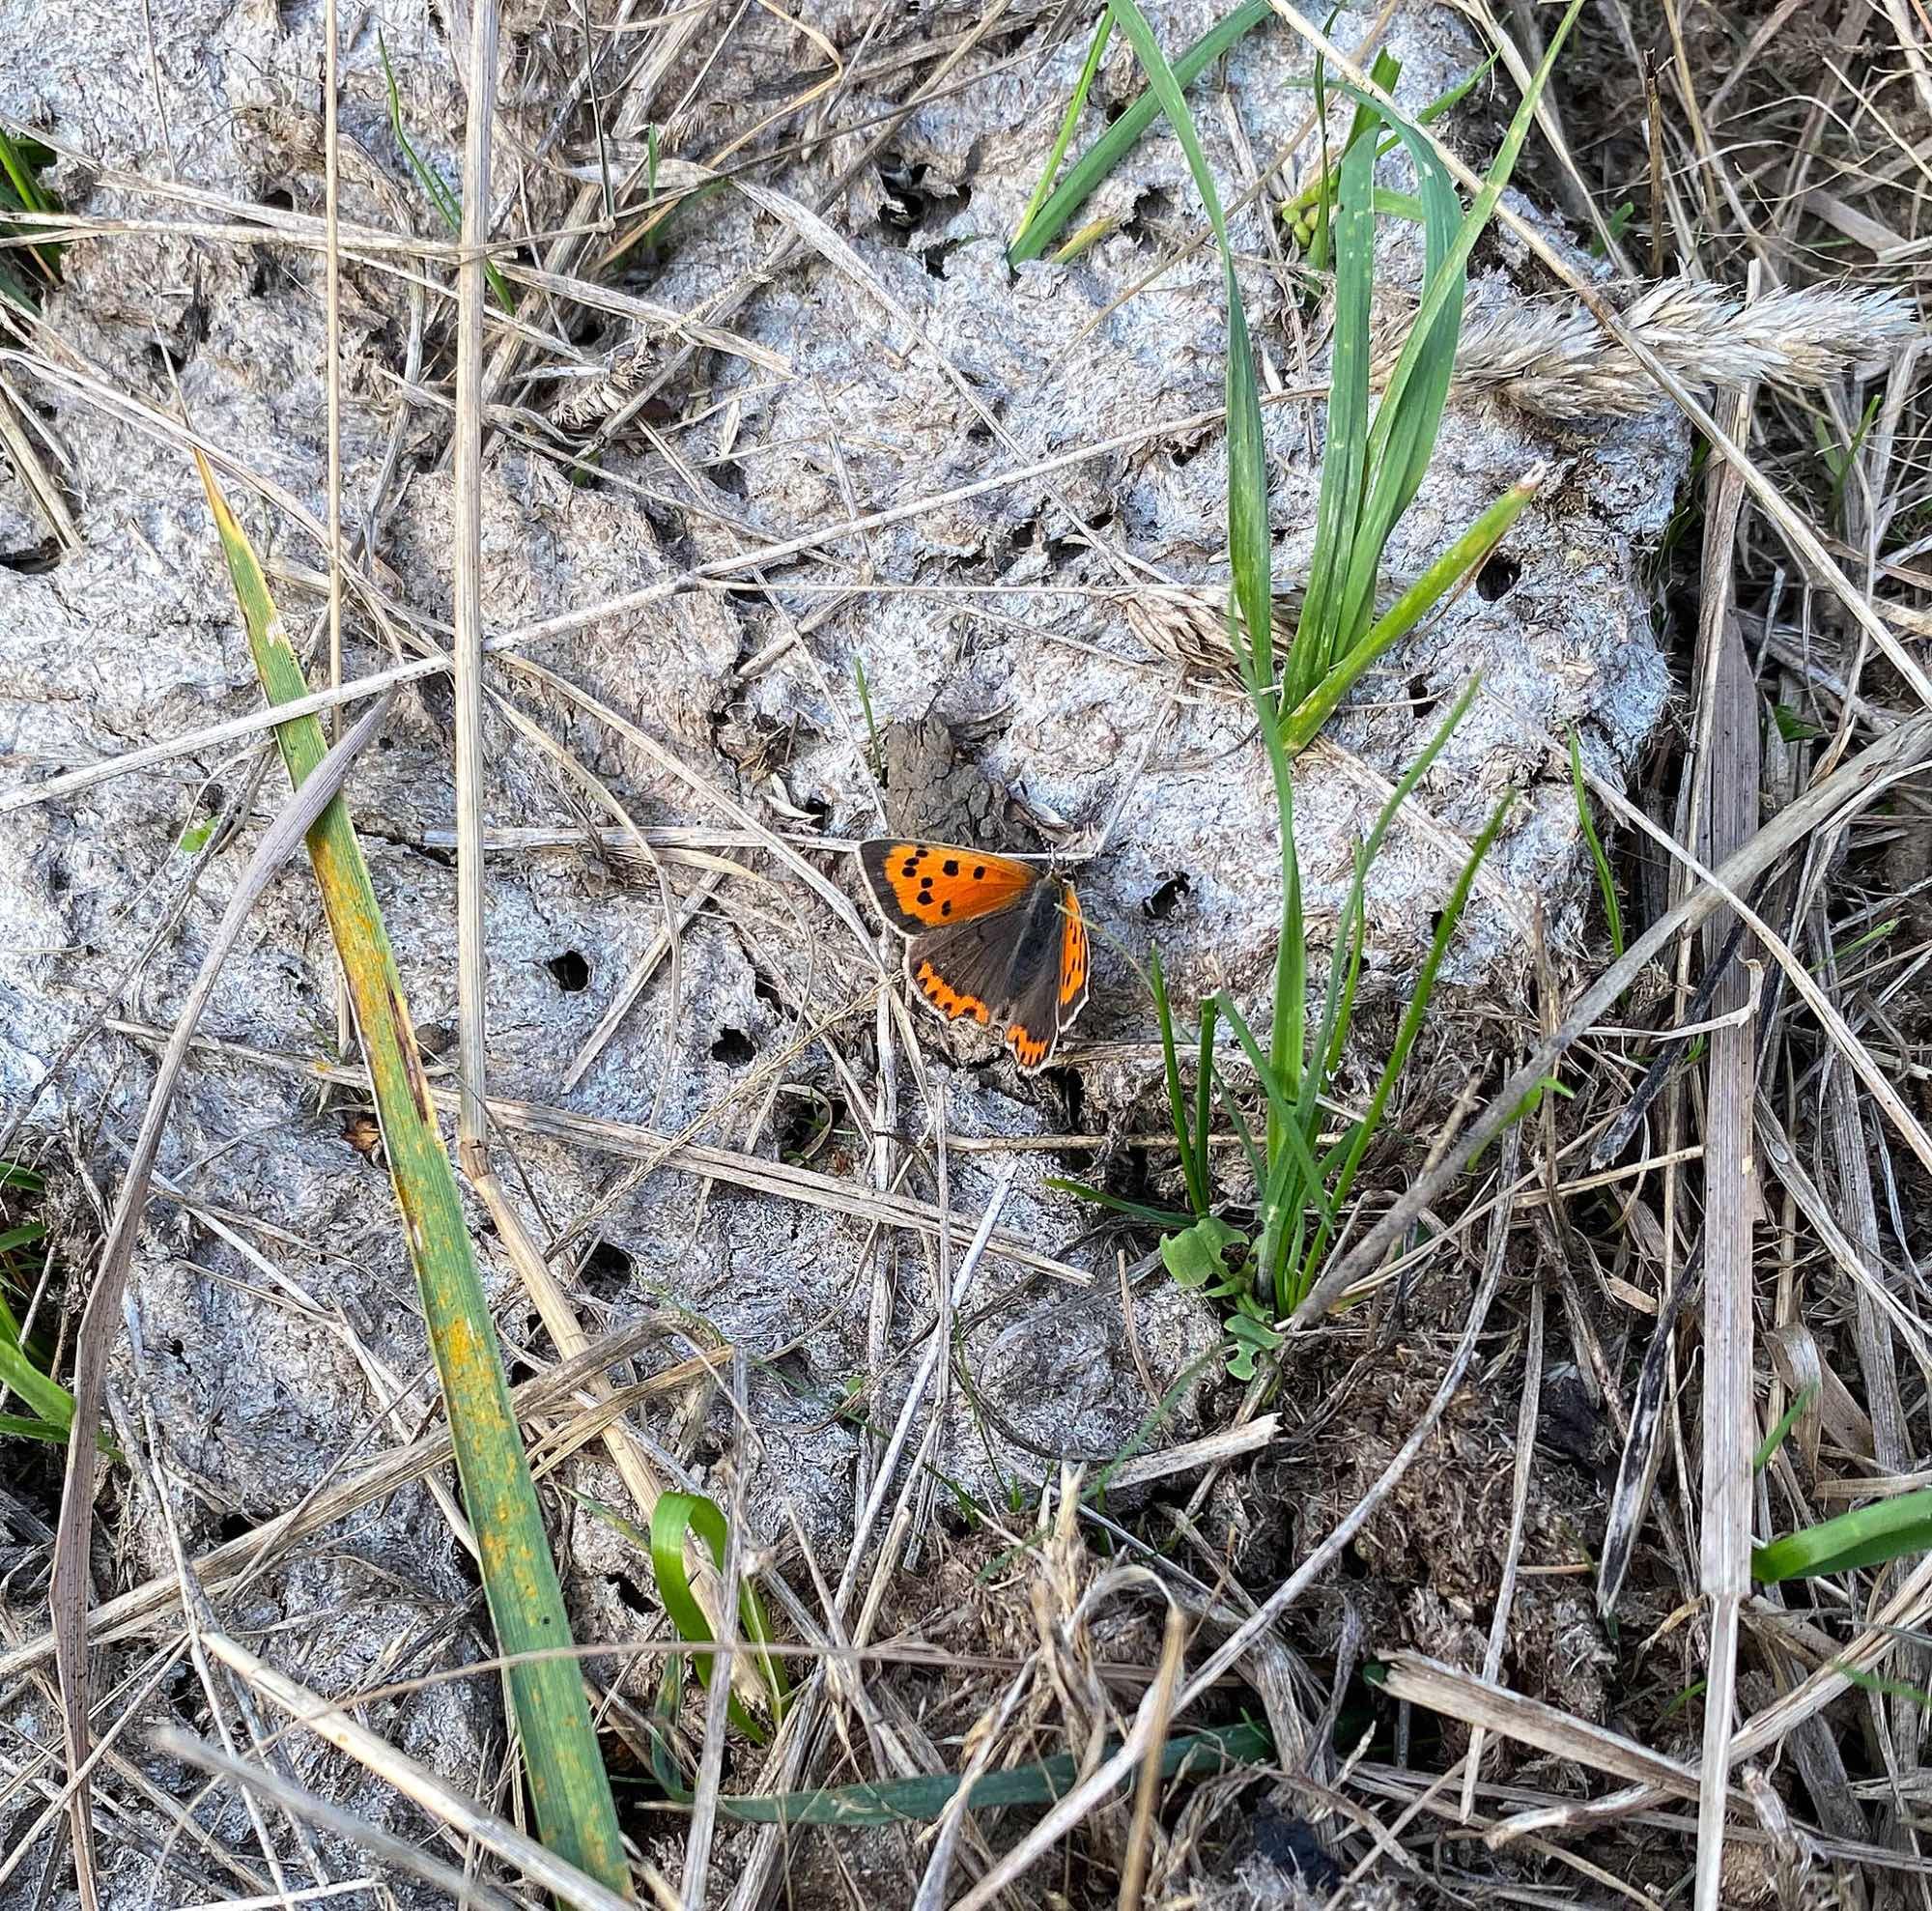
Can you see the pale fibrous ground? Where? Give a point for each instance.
(833, 336)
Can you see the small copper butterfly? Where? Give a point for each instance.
(987, 937)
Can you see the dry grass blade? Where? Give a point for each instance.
(571, 1792)
(1460, 1694)
(72, 1582)
(416, 1783)
(128, 1612)
(1728, 734)
(467, 605)
(302, 1804)
(1850, 788)
(1147, 1796)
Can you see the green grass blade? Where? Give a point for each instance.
(1464, 555)
(1139, 1211)
(1198, 1197)
(1250, 1147)
(1606, 882)
(1203, 1104)
(1323, 192)
(1249, 547)
(1404, 434)
(435, 190)
(1786, 1421)
(1345, 450)
(1292, 1182)
(1103, 29)
(920, 1800)
(575, 1813)
(1271, 1085)
(20, 1428)
(1866, 1536)
(1106, 153)
(1406, 1032)
(1351, 926)
(1288, 1036)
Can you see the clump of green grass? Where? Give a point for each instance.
(1373, 461)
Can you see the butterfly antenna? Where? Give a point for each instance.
(1130, 783)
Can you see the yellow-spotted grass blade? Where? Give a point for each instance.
(576, 1814)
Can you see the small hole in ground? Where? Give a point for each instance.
(732, 1046)
(34, 560)
(571, 970)
(1498, 578)
(1168, 897)
(235, 1526)
(607, 1270)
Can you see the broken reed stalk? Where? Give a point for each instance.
(575, 1813)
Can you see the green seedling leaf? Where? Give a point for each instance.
(1866, 1536)
(435, 190)
(1606, 882)
(1786, 1421)
(1253, 1340)
(42, 1430)
(1197, 1256)
(676, 1516)
(1139, 1211)
(194, 839)
(876, 754)
(1615, 226)
(1791, 726)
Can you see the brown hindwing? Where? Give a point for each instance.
(1053, 990)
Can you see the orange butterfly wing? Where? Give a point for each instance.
(1072, 957)
(922, 886)
(1028, 973)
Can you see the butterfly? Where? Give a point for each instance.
(987, 937)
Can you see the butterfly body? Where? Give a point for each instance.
(987, 938)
